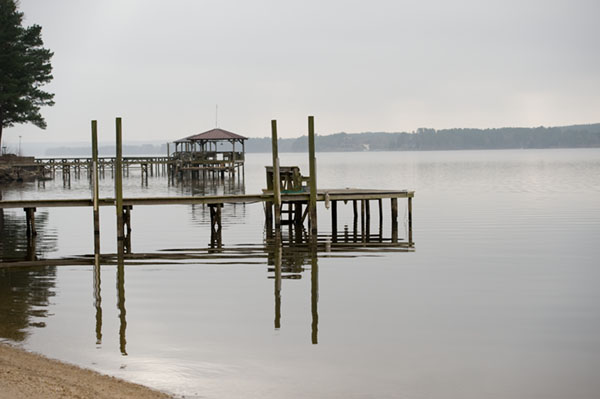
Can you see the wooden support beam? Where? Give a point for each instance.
(394, 202)
(118, 172)
(380, 204)
(363, 216)
(410, 233)
(334, 220)
(276, 177)
(95, 187)
(368, 221)
(312, 160)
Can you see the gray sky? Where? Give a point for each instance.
(355, 65)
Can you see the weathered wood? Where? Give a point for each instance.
(368, 220)
(276, 177)
(312, 160)
(410, 232)
(380, 204)
(394, 202)
(340, 195)
(363, 215)
(95, 187)
(334, 220)
(118, 171)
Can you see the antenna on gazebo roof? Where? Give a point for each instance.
(217, 115)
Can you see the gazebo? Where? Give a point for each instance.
(208, 150)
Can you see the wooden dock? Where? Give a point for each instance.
(76, 167)
(289, 198)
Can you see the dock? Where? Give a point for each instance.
(289, 197)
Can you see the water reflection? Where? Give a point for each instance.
(25, 292)
(98, 298)
(24, 298)
(16, 244)
(121, 299)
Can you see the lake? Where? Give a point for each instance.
(499, 299)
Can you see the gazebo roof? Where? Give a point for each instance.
(214, 134)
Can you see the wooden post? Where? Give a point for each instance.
(394, 219)
(312, 160)
(276, 179)
(355, 220)
(95, 188)
(410, 235)
(363, 214)
(118, 171)
(368, 220)
(380, 203)
(334, 220)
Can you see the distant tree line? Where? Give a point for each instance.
(577, 136)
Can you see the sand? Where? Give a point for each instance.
(28, 375)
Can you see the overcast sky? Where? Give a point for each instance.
(388, 65)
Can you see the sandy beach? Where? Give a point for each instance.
(28, 375)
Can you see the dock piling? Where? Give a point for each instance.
(410, 235)
(312, 160)
(276, 177)
(118, 173)
(95, 188)
(394, 202)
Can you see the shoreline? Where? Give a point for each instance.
(29, 375)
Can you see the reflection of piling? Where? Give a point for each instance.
(97, 298)
(121, 299)
(314, 295)
(30, 216)
(127, 228)
(278, 260)
(216, 228)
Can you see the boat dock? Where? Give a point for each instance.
(289, 197)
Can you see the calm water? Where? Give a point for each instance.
(500, 299)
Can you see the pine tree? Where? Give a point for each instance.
(24, 68)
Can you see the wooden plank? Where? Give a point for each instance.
(215, 199)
